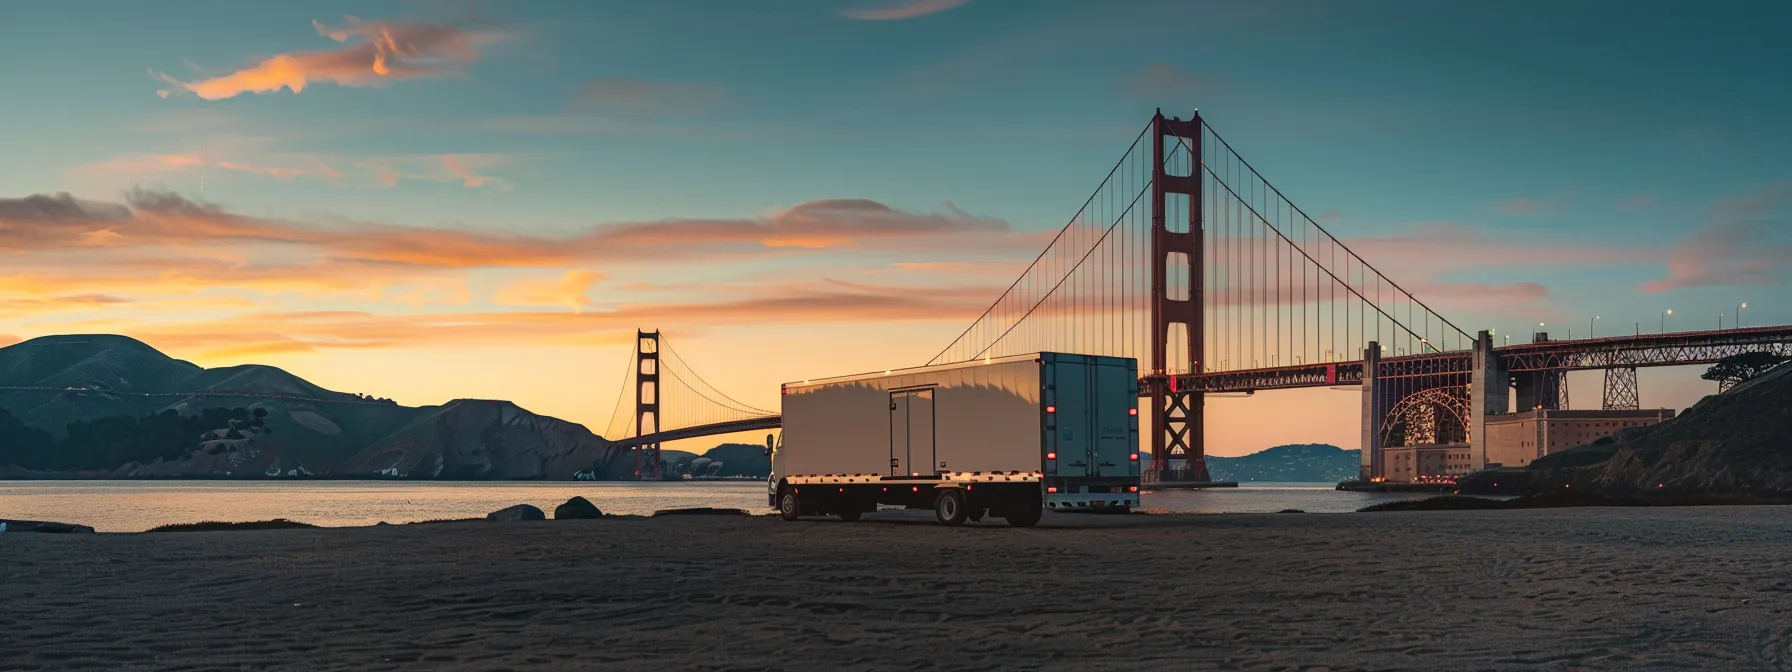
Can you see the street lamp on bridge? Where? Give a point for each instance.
(1739, 314)
(1590, 333)
(1664, 319)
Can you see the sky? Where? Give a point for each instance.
(436, 200)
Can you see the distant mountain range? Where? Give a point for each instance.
(1297, 463)
(107, 381)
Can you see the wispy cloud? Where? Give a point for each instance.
(337, 170)
(1524, 207)
(572, 289)
(902, 9)
(1744, 245)
(374, 53)
(810, 303)
(640, 95)
(1159, 81)
(1636, 203)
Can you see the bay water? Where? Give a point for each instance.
(134, 506)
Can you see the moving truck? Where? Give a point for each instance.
(1011, 438)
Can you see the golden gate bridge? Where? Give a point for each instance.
(1186, 258)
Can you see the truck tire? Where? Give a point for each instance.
(790, 507)
(950, 508)
(1025, 515)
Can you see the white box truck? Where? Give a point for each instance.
(1011, 438)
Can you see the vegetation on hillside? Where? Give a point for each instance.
(111, 442)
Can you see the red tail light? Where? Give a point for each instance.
(1135, 457)
(1051, 490)
(1051, 455)
(1132, 488)
(1051, 409)
(1132, 411)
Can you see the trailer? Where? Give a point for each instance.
(1009, 437)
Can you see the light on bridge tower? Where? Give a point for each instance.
(647, 403)
(1177, 431)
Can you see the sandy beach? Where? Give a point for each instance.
(1705, 588)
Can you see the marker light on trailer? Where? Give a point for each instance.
(1132, 411)
(1051, 409)
(1132, 488)
(1051, 490)
(1135, 457)
(1051, 455)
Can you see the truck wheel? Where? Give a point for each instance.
(789, 506)
(1025, 515)
(850, 514)
(950, 508)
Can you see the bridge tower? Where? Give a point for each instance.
(1177, 423)
(647, 403)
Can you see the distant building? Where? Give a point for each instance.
(1408, 464)
(1515, 439)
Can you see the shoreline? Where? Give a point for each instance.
(1605, 588)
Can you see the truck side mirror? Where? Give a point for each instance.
(768, 445)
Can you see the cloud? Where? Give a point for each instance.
(375, 52)
(337, 170)
(157, 245)
(902, 9)
(633, 94)
(469, 179)
(1160, 80)
(1636, 203)
(809, 303)
(1524, 207)
(1728, 253)
(572, 289)
(1743, 245)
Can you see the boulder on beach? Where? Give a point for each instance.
(577, 508)
(516, 513)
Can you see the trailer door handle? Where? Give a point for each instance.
(1079, 464)
(1105, 464)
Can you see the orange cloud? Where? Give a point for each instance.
(823, 303)
(468, 178)
(47, 222)
(346, 171)
(572, 290)
(376, 52)
(905, 9)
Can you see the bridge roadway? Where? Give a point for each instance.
(1646, 350)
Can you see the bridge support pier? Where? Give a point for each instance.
(647, 403)
(1621, 390)
(1177, 416)
(1489, 394)
(1377, 400)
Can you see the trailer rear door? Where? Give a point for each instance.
(912, 432)
(1114, 395)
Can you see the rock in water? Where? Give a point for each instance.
(577, 508)
(41, 526)
(516, 513)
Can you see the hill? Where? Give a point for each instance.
(1295, 463)
(1732, 444)
(110, 386)
(726, 460)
